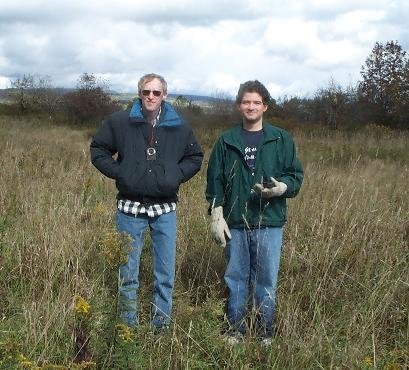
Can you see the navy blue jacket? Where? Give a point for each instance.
(127, 134)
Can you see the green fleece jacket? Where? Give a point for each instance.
(230, 180)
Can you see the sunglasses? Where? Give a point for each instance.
(154, 92)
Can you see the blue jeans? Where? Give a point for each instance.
(163, 235)
(253, 260)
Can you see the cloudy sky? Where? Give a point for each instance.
(203, 47)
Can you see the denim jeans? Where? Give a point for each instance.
(253, 260)
(163, 235)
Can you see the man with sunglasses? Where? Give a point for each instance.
(156, 152)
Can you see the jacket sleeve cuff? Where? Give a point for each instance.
(213, 205)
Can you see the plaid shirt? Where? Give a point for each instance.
(136, 208)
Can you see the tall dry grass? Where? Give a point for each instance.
(343, 292)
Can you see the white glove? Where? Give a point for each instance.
(278, 188)
(218, 226)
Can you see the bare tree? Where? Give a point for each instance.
(332, 101)
(35, 93)
(222, 104)
(46, 96)
(90, 101)
(21, 93)
(186, 106)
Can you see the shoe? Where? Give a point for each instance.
(159, 325)
(266, 342)
(233, 338)
(160, 330)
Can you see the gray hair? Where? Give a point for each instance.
(149, 77)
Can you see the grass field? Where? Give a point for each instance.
(344, 280)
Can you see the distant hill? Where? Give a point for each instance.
(125, 97)
(194, 98)
(201, 100)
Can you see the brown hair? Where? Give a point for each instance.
(253, 86)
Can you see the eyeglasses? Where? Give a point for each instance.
(154, 92)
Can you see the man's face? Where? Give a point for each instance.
(152, 95)
(252, 107)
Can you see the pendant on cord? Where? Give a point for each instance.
(151, 154)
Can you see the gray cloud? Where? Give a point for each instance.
(197, 46)
(186, 13)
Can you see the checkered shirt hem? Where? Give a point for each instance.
(136, 208)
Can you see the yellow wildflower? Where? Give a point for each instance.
(26, 365)
(100, 209)
(391, 366)
(21, 357)
(81, 305)
(24, 362)
(115, 248)
(368, 362)
(125, 333)
(84, 365)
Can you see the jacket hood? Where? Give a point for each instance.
(168, 116)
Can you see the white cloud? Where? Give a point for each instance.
(275, 89)
(4, 82)
(201, 47)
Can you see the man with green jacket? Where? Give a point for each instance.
(252, 169)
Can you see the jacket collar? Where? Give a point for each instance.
(168, 116)
(233, 136)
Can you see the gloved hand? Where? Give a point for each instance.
(278, 188)
(218, 226)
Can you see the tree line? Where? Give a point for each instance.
(89, 101)
(381, 97)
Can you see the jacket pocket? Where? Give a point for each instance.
(130, 179)
(162, 181)
(171, 179)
